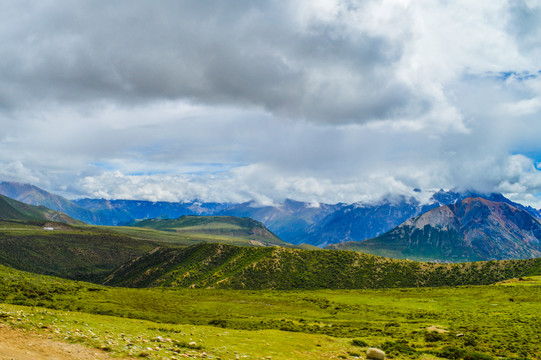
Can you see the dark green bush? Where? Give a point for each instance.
(396, 348)
(433, 336)
(451, 352)
(477, 356)
(218, 322)
(359, 342)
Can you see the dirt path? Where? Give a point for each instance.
(22, 345)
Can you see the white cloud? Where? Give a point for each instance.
(322, 101)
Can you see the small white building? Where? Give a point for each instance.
(48, 228)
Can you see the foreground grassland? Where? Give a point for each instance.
(474, 322)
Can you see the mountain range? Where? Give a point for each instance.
(472, 229)
(293, 221)
(383, 228)
(159, 252)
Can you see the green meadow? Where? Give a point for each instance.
(474, 322)
(470, 322)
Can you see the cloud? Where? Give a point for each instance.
(332, 62)
(327, 63)
(322, 101)
(516, 177)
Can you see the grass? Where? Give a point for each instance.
(231, 267)
(68, 251)
(182, 238)
(146, 339)
(228, 229)
(476, 322)
(523, 281)
(465, 322)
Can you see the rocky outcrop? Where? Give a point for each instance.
(471, 230)
(377, 354)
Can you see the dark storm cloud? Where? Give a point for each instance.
(242, 53)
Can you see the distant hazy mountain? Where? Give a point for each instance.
(470, 230)
(30, 194)
(11, 209)
(128, 211)
(289, 220)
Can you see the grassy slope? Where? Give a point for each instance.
(15, 210)
(71, 252)
(229, 229)
(482, 322)
(86, 252)
(183, 238)
(224, 266)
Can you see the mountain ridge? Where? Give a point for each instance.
(222, 226)
(11, 209)
(472, 229)
(224, 266)
(293, 221)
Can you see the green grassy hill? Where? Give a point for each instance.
(15, 210)
(67, 251)
(226, 229)
(231, 267)
(92, 252)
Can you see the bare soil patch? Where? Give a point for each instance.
(23, 345)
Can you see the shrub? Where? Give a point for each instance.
(477, 356)
(395, 348)
(433, 336)
(451, 352)
(218, 322)
(359, 342)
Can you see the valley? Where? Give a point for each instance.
(270, 180)
(474, 322)
(225, 287)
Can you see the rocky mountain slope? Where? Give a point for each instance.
(472, 229)
(362, 221)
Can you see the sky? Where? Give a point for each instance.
(314, 100)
